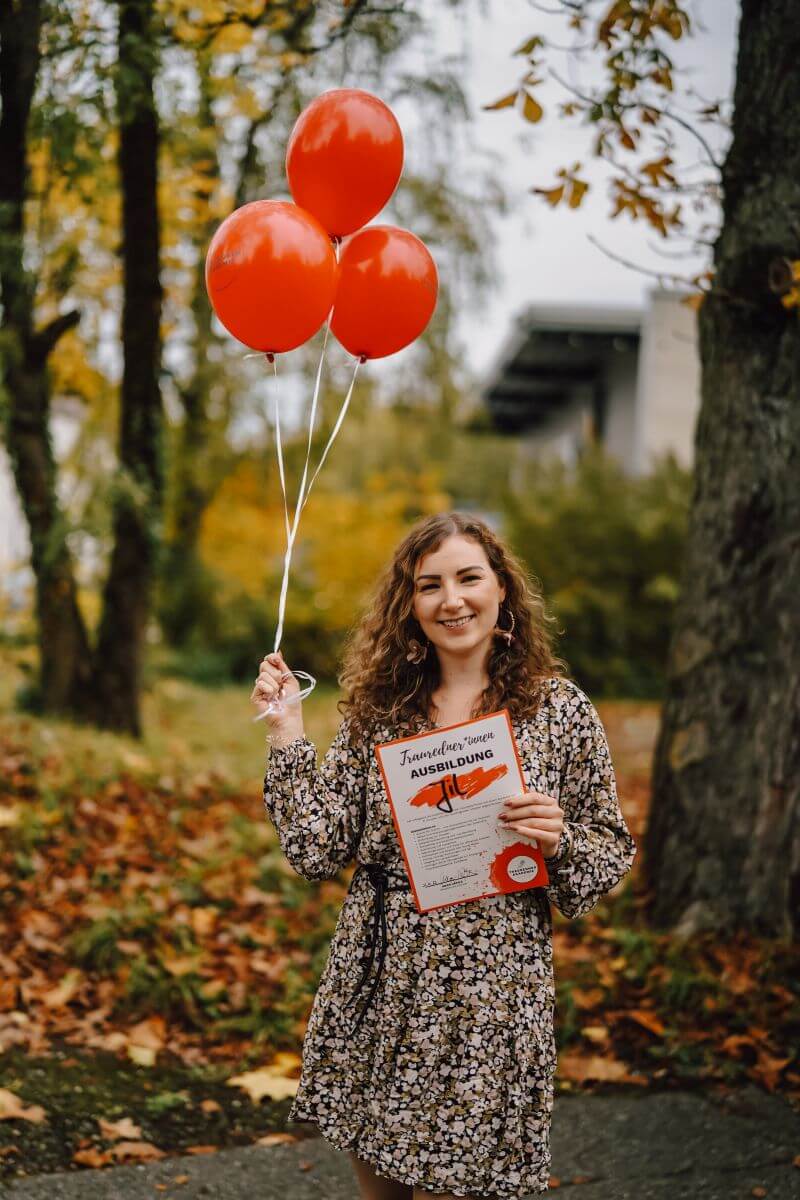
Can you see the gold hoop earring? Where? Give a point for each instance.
(508, 634)
(416, 652)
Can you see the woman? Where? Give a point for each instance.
(429, 1053)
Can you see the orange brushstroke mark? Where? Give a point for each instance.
(441, 792)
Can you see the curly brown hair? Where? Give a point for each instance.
(381, 685)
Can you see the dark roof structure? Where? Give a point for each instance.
(552, 351)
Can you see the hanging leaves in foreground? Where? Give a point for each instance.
(642, 126)
(572, 190)
(505, 102)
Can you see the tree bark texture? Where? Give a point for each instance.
(138, 492)
(64, 666)
(722, 850)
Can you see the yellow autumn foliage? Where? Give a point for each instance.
(242, 533)
(343, 542)
(72, 373)
(351, 537)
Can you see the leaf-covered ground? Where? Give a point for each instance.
(158, 957)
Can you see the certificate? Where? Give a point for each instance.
(446, 789)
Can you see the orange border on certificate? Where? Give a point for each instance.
(501, 712)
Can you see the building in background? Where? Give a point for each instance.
(626, 378)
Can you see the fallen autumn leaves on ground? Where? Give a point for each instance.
(151, 914)
(13, 1109)
(272, 1080)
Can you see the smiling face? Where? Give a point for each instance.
(457, 596)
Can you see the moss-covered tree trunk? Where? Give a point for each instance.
(138, 488)
(722, 849)
(64, 677)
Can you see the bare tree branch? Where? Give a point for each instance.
(44, 340)
(689, 284)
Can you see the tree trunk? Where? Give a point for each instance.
(722, 849)
(137, 497)
(64, 684)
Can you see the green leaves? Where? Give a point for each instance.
(607, 549)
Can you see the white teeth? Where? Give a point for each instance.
(456, 623)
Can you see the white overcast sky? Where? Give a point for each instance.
(544, 255)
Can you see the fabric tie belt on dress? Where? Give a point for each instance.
(381, 881)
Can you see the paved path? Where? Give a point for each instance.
(640, 1146)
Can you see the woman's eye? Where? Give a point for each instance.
(427, 587)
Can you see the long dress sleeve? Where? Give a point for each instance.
(596, 848)
(318, 812)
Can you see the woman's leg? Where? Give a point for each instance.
(377, 1187)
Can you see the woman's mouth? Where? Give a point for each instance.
(457, 622)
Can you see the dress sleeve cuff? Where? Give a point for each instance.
(290, 754)
(563, 850)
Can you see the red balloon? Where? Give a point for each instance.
(344, 158)
(387, 291)
(271, 275)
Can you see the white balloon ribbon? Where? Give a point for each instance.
(305, 487)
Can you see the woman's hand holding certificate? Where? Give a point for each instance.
(536, 816)
(445, 788)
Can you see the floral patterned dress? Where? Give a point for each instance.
(446, 1082)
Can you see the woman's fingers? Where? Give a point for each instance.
(548, 842)
(530, 799)
(528, 811)
(534, 816)
(273, 667)
(272, 672)
(266, 688)
(531, 804)
(274, 680)
(267, 684)
(549, 823)
(277, 662)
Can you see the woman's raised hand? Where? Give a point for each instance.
(275, 682)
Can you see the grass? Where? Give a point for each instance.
(189, 730)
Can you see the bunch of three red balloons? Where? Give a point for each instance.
(271, 270)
